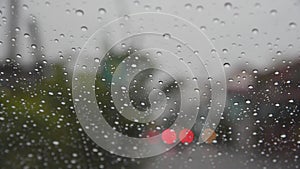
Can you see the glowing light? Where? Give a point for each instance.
(209, 135)
(186, 136)
(169, 136)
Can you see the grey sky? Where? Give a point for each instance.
(228, 26)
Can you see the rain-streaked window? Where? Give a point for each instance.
(149, 84)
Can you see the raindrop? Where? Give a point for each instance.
(126, 17)
(68, 11)
(291, 101)
(79, 12)
(158, 9)
(55, 143)
(227, 65)
(136, 3)
(225, 50)
(26, 35)
(97, 60)
(102, 11)
(283, 135)
(199, 8)
(228, 5)
(248, 101)
(25, 7)
(278, 53)
(167, 36)
(293, 25)
(188, 6)
(257, 5)
(216, 20)
(47, 3)
(19, 56)
(33, 46)
(159, 53)
(123, 45)
(203, 28)
(273, 12)
(147, 7)
(255, 31)
(84, 28)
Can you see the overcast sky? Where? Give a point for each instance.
(242, 31)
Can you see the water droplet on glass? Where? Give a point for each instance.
(227, 65)
(55, 143)
(278, 53)
(47, 3)
(19, 56)
(273, 12)
(188, 6)
(159, 53)
(25, 7)
(167, 36)
(79, 12)
(228, 5)
(257, 5)
(26, 35)
(199, 8)
(291, 101)
(283, 135)
(255, 31)
(158, 9)
(97, 60)
(225, 50)
(84, 28)
(293, 25)
(102, 11)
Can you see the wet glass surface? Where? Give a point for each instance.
(149, 84)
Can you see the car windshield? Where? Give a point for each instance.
(149, 84)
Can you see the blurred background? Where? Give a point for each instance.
(259, 46)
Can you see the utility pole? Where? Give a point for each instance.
(14, 38)
(12, 33)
